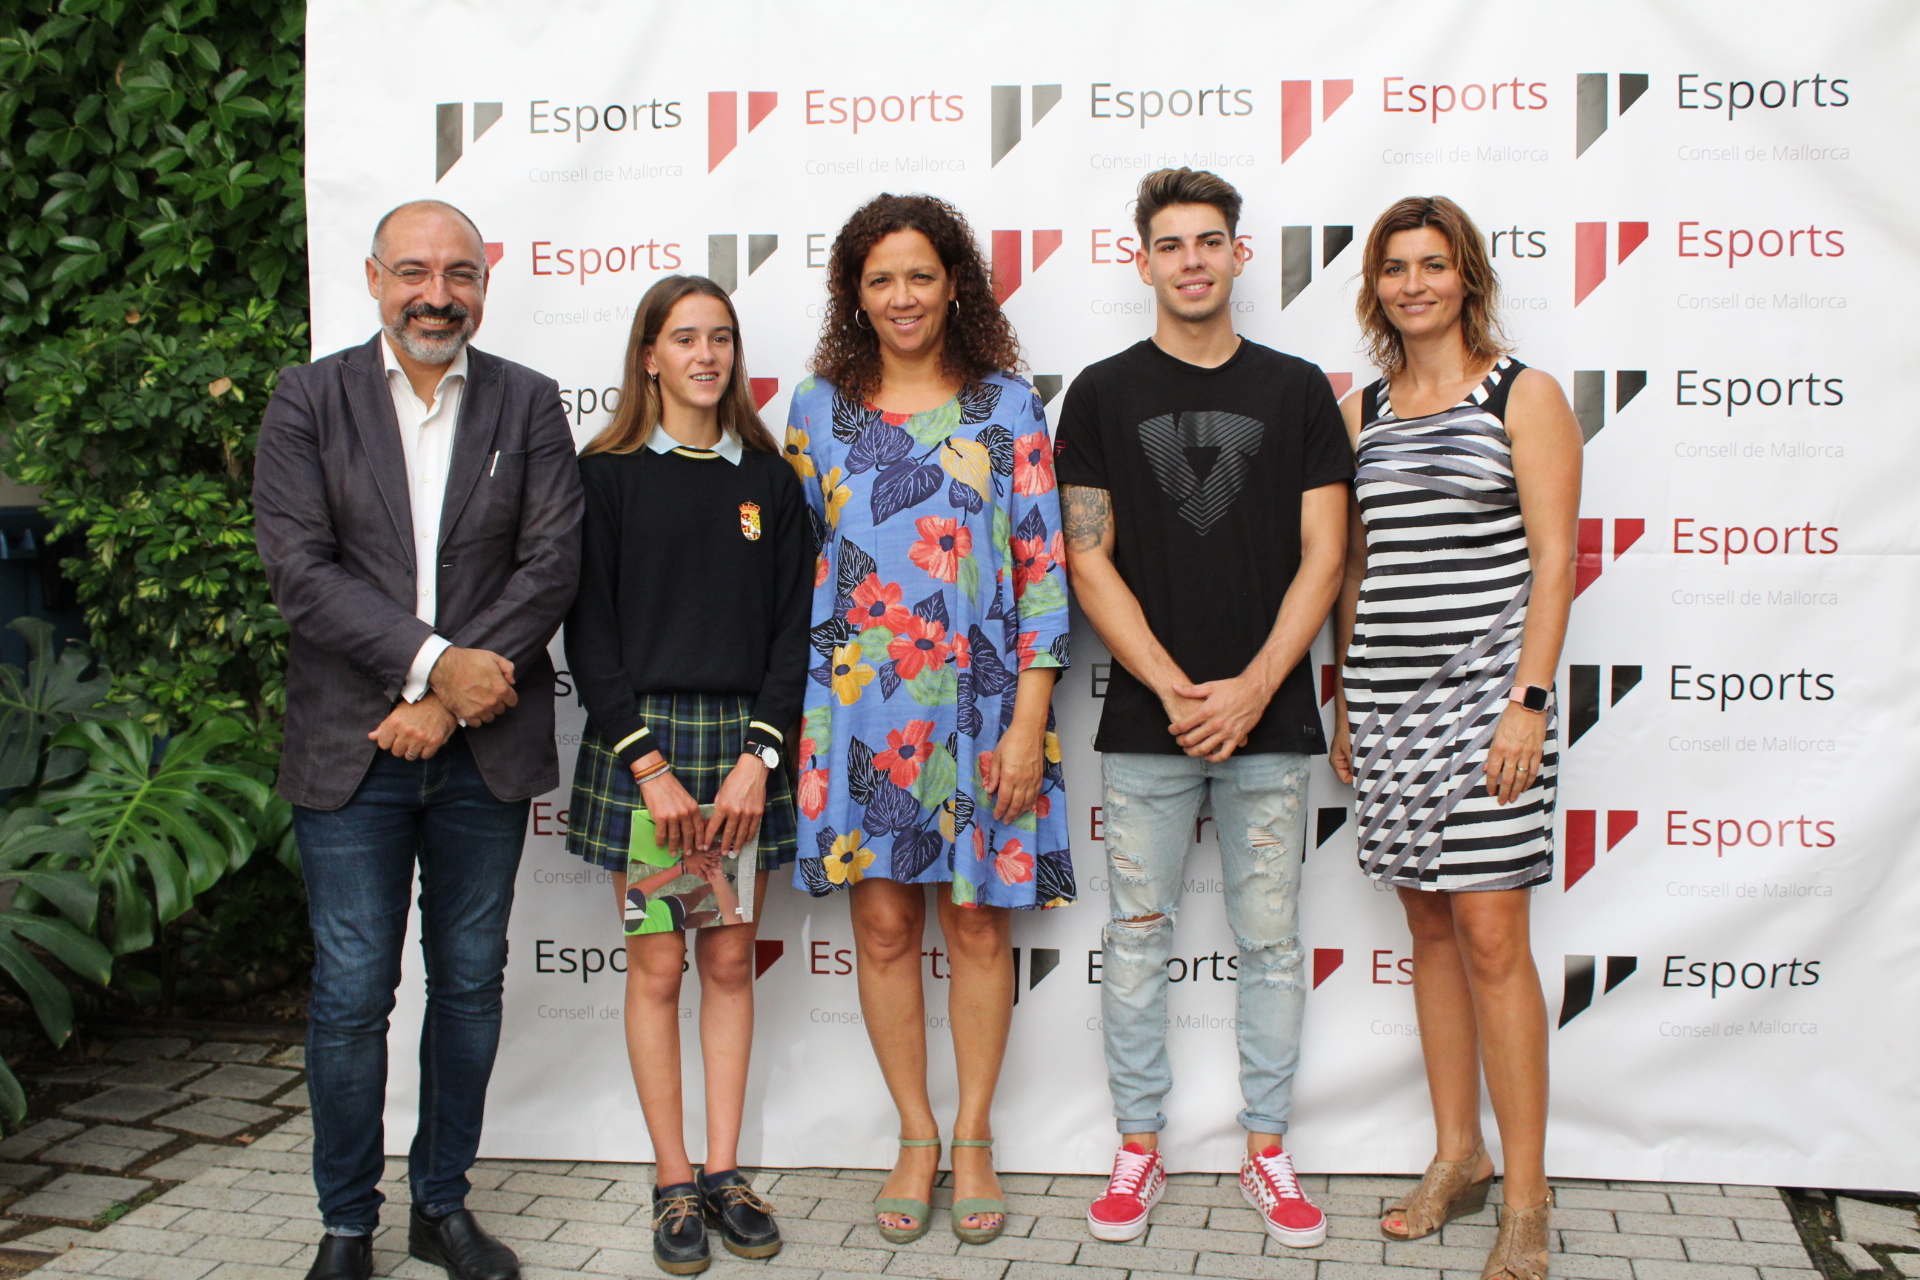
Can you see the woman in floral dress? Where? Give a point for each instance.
(939, 625)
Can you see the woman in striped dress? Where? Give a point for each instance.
(1460, 573)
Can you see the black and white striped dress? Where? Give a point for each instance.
(1435, 643)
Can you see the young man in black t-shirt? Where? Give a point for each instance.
(1204, 480)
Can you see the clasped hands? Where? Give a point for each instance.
(737, 810)
(1213, 720)
(466, 686)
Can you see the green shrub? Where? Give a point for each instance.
(152, 282)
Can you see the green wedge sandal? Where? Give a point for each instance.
(963, 1209)
(919, 1210)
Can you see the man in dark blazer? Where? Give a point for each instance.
(417, 506)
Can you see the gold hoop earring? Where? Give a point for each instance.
(859, 314)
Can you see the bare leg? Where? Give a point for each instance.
(980, 1007)
(1511, 1012)
(889, 921)
(1449, 1036)
(724, 955)
(653, 1046)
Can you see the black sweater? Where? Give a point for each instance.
(686, 588)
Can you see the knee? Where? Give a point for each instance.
(980, 936)
(1273, 964)
(888, 938)
(1131, 940)
(1492, 954)
(363, 1005)
(653, 977)
(1429, 918)
(730, 971)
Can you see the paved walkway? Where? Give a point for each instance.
(210, 1182)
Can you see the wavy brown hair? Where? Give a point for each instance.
(978, 340)
(1480, 325)
(640, 408)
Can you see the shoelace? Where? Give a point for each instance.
(1129, 1173)
(1279, 1170)
(673, 1211)
(736, 1194)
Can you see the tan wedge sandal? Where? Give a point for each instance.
(1520, 1250)
(1446, 1191)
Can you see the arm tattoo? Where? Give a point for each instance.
(1087, 514)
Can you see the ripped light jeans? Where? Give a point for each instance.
(1260, 812)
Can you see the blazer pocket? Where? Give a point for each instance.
(492, 513)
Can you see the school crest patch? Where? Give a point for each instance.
(750, 521)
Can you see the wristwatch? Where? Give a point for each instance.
(1530, 696)
(765, 754)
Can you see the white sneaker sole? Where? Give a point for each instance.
(1291, 1239)
(1121, 1232)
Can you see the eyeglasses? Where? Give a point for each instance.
(419, 277)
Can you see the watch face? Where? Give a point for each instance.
(1536, 699)
(768, 756)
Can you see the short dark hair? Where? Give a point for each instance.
(380, 227)
(1165, 187)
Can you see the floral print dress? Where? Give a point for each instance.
(940, 579)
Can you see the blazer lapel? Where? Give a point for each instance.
(473, 436)
(371, 403)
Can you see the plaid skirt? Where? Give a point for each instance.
(702, 734)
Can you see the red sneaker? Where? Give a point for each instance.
(1139, 1180)
(1268, 1183)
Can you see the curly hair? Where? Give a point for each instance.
(1480, 325)
(978, 340)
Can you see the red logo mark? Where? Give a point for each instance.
(765, 952)
(496, 250)
(1325, 961)
(1590, 253)
(1006, 258)
(723, 121)
(764, 389)
(1296, 110)
(1590, 559)
(1581, 832)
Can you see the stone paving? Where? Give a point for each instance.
(241, 1206)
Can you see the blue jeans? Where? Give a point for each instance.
(358, 861)
(1260, 812)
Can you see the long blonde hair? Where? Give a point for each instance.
(640, 408)
(1480, 325)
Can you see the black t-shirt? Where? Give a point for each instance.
(1205, 468)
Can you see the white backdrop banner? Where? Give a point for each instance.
(1703, 217)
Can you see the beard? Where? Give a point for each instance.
(439, 346)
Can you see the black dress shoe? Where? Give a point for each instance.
(679, 1233)
(745, 1220)
(343, 1258)
(458, 1243)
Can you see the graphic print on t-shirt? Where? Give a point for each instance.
(1201, 460)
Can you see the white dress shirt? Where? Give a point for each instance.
(426, 435)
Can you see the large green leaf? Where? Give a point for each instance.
(46, 864)
(51, 692)
(13, 1099)
(159, 806)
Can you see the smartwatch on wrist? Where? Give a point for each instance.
(765, 754)
(1530, 696)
